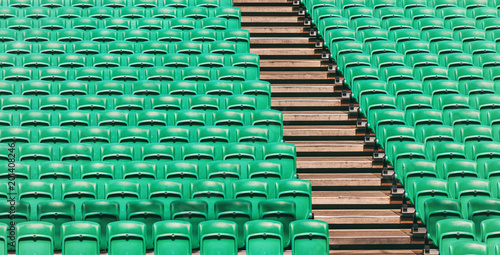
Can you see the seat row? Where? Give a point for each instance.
(210, 60)
(230, 46)
(138, 88)
(309, 237)
(203, 103)
(116, 3)
(206, 134)
(151, 211)
(131, 74)
(77, 15)
(228, 170)
(157, 197)
(152, 152)
(147, 118)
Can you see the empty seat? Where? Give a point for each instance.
(126, 237)
(80, 236)
(192, 211)
(238, 211)
(280, 210)
(172, 237)
(35, 238)
(147, 212)
(264, 236)
(309, 237)
(101, 212)
(218, 235)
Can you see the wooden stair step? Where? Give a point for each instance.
(280, 40)
(269, 19)
(343, 179)
(276, 30)
(268, 9)
(291, 63)
(299, 75)
(315, 116)
(329, 146)
(236, 2)
(351, 197)
(358, 216)
(301, 88)
(319, 130)
(358, 162)
(368, 237)
(284, 52)
(305, 102)
(379, 252)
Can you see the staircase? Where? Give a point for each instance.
(349, 191)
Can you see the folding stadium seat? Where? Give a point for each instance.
(473, 134)
(147, 212)
(300, 192)
(6, 119)
(475, 88)
(122, 192)
(146, 88)
(412, 102)
(212, 61)
(56, 212)
(101, 212)
(320, 9)
(218, 235)
(198, 152)
(481, 209)
(18, 23)
(283, 153)
(264, 236)
(215, 135)
(240, 37)
(165, 192)
(381, 118)
(3, 238)
(76, 152)
(185, 172)
(460, 117)
(111, 152)
(172, 236)
(112, 118)
(35, 237)
(426, 188)
(55, 172)
(251, 64)
(453, 170)
(204, 103)
(35, 60)
(210, 192)
(368, 87)
(446, 47)
(22, 172)
(485, 102)
(445, 150)
(80, 236)
(54, 135)
(140, 172)
(467, 247)
(126, 237)
(95, 171)
(365, 23)
(449, 102)
(279, 210)
(68, 12)
(253, 191)
(21, 213)
(452, 230)
(16, 135)
(192, 211)
(226, 172)
(489, 233)
(309, 237)
(395, 134)
(17, 47)
(483, 151)
(264, 171)
(350, 4)
(469, 35)
(414, 170)
(377, 102)
(238, 211)
(351, 60)
(166, 103)
(347, 47)
(360, 73)
(77, 192)
(218, 88)
(439, 208)
(466, 189)
(174, 135)
(428, 23)
(431, 134)
(91, 103)
(35, 152)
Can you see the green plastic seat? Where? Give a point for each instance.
(80, 237)
(77, 192)
(35, 238)
(239, 152)
(16, 135)
(209, 191)
(95, 171)
(238, 211)
(101, 212)
(255, 135)
(215, 135)
(204, 103)
(240, 37)
(412, 171)
(425, 188)
(122, 192)
(456, 169)
(218, 235)
(395, 133)
(192, 211)
(186, 172)
(147, 212)
(283, 153)
(3, 238)
(231, 14)
(489, 232)
(126, 237)
(447, 102)
(55, 172)
(112, 118)
(21, 213)
(224, 171)
(280, 210)
(460, 117)
(466, 189)
(480, 209)
(264, 236)
(368, 87)
(165, 192)
(139, 171)
(56, 212)
(265, 171)
(172, 237)
(35, 152)
(467, 247)
(309, 237)
(218, 88)
(439, 208)
(253, 191)
(449, 231)
(298, 191)
(110, 152)
(76, 152)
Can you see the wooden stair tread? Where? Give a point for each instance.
(290, 63)
(329, 146)
(269, 19)
(368, 236)
(279, 40)
(334, 162)
(343, 179)
(371, 252)
(351, 197)
(305, 102)
(288, 88)
(319, 131)
(275, 30)
(315, 116)
(268, 9)
(283, 52)
(358, 216)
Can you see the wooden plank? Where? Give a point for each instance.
(314, 116)
(268, 9)
(283, 52)
(269, 19)
(358, 216)
(305, 102)
(343, 179)
(279, 40)
(302, 89)
(299, 75)
(334, 162)
(352, 197)
(319, 131)
(275, 30)
(368, 237)
(329, 146)
(291, 63)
